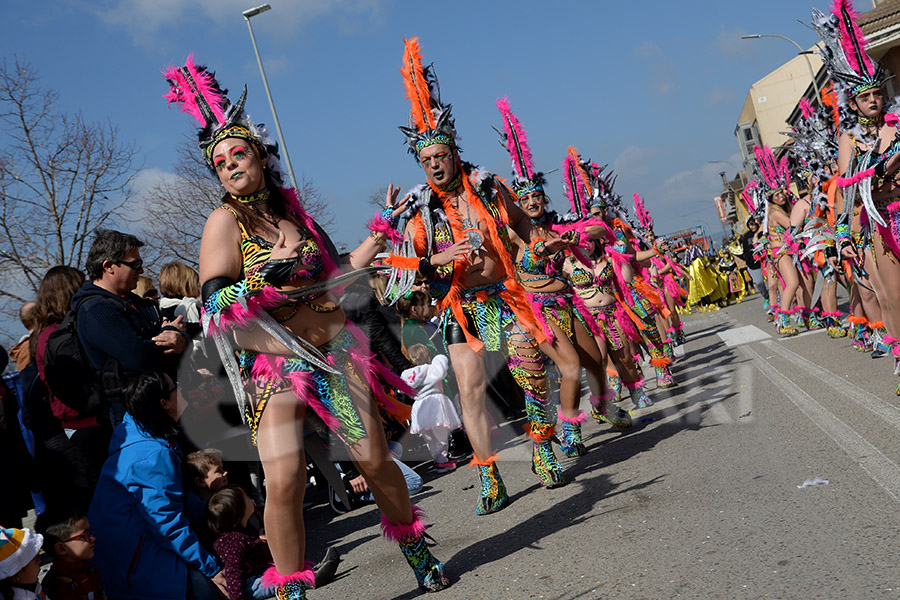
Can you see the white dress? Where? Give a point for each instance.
(432, 408)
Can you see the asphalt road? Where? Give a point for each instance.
(699, 499)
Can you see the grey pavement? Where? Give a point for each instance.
(699, 499)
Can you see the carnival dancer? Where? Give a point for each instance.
(868, 159)
(663, 269)
(642, 301)
(599, 282)
(775, 179)
(541, 244)
(456, 237)
(267, 270)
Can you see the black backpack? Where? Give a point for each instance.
(69, 373)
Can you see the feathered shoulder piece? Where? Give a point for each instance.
(430, 122)
(514, 139)
(642, 214)
(775, 173)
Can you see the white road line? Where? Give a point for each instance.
(878, 466)
(883, 409)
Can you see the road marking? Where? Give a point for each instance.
(883, 409)
(878, 466)
(743, 335)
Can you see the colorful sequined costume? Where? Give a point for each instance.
(324, 390)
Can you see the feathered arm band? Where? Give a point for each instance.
(379, 224)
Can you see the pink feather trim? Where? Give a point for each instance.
(395, 532)
(627, 325)
(514, 131)
(581, 307)
(604, 397)
(891, 119)
(848, 181)
(182, 91)
(633, 385)
(235, 316)
(379, 224)
(272, 578)
(538, 309)
(581, 417)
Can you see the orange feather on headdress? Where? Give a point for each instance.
(417, 90)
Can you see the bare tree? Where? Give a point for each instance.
(176, 208)
(60, 179)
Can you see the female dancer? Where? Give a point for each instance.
(641, 301)
(267, 269)
(540, 251)
(775, 177)
(868, 159)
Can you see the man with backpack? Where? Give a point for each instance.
(120, 332)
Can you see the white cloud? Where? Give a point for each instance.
(730, 44)
(634, 161)
(144, 19)
(143, 186)
(662, 79)
(720, 96)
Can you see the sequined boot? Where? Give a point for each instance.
(859, 333)
(605, 411)
(783, 320)
(833, 321)
(543, 432)
(411, 538)
(680, 338)
(816, 319)
(877, 333)
(639, 398)
(571, 443)
(493, 491)
(289, 587)
(615, 382)
(661, 363)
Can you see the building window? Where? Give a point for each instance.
(748, 134)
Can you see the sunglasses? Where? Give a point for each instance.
(134, 264)
(84, 536)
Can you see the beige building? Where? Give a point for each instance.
(770, 102)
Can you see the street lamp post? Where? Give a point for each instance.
(252, 12)
(800, 51)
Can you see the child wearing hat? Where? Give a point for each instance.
(20, 565)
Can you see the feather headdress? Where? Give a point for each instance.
(514, 139)
(643, 215)
(775, 173)
(577, 184)
(196, 90)
(430, 122)
(844, 54)
(815, 145)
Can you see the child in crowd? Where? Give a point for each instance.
(244, 555)
(204, 472)
(433, 415)
(20, 564)
(69, 540)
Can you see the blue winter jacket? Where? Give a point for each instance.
(139, 515)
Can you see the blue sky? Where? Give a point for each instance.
(652, 88)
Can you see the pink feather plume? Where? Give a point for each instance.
(852, 40)
(183, 92)
(806, 108)
(575, 194)
(515, 132)
(642, 213)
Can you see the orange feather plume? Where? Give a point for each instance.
(417, 86)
